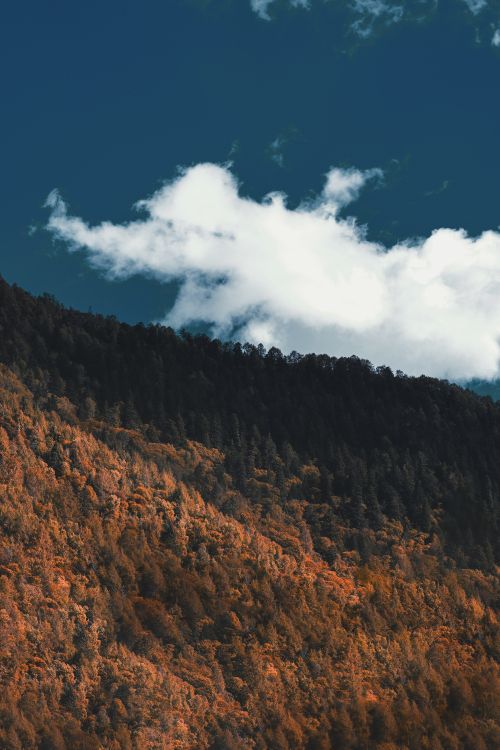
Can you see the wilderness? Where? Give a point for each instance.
(209, 546)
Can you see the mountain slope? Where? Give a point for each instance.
(414, 450)
(489, 388)
(147, 603)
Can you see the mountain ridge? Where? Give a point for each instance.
(252, 552)
(360, 426)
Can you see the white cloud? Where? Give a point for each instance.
(261, 7)
(276, 151)
(306, 278)
(476, 6)
(367, 13)
(277, 147)
(496, 38)
(370, 11)
(344, 185)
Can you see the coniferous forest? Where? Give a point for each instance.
(205, 545)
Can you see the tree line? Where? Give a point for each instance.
(380, 445)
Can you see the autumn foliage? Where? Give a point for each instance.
(147, 600)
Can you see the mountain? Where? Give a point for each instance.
(485, 388)
(205, 545)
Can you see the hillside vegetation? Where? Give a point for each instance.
(415, 449)
(208, 548)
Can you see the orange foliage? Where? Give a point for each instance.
(135, 613)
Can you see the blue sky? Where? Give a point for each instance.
(107, 101)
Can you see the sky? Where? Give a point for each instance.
(319, 176)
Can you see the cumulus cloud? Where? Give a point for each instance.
(306, 278)
(496, 38)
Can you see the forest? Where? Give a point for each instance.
(205, 545)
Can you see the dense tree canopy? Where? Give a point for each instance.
(403, 448)
(146, 602)
(209, 547)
